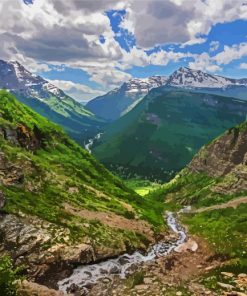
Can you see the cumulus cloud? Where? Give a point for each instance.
(243, 66)
(78, 91)
(179, 21)
(214, 45)
(231, 53)
(214, 63)
(204, 62)
(51, 33)
(58, 32)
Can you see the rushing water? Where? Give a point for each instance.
(121, 266)
(90, 143)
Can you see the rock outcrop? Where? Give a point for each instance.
(225, 157)
(223, 154)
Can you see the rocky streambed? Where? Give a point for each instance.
(88, 275)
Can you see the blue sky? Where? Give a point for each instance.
(90, 47)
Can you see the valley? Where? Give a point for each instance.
(175, 224)
(162, 133)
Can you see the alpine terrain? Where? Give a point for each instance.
(48, 100)
(121, 100)
(58, 206)
(165, 130)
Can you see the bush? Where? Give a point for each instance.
(8, 277)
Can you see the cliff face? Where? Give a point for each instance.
(225, 157)
(217, 174)
(224, 154)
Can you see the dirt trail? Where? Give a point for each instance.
(113, 220)
(230, 204)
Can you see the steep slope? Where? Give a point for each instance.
(199, 81)
(58, 206)
(121, 100)
(164, 131)
(215, 185)
(218, 172)
(48, 100)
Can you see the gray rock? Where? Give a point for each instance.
(2, 200)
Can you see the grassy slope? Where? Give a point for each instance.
(182, 123)
(224, 229)
(71, 115)
(59, 172)
(142, 187)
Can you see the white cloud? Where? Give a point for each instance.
(231, 53)
(179, 21)
(214, 63)
(243, 66)
(204, 62)
(214, 45)
(193, 42)
(78, 91)
(52, 33)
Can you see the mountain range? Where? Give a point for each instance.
(121, 100)
(48, 100)
(60, 208)
(165, 130)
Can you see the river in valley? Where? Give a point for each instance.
(88, 275)
(90, 142)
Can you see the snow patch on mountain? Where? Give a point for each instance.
(189, 78)
(16, 78)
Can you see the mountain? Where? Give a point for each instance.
(196, 80)
(59, 207)
(186, 77)
(165, 130)
(216, 174)
(214, 185)
(48, 100)
(121, 100)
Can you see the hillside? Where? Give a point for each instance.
(121, 100)
(48, 100)
(59, 207)
(165, 130)
(215, 185)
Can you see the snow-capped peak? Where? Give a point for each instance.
(17, 78)
(143, 85)
(190, 78)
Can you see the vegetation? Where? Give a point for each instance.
(142, 187)
(56, 172)
(196, 189)
(225, 230)
(77, 121)
(8, 277)
(164, 131)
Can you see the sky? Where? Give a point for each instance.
(88, 47)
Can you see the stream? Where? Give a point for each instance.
(90, 143)
(88, 275)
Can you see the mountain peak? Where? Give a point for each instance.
(192, 78)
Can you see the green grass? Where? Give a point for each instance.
(225, 230)
(183, 122)
(59, 171)
(142, 187)
(8, 277)
(196, 189)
